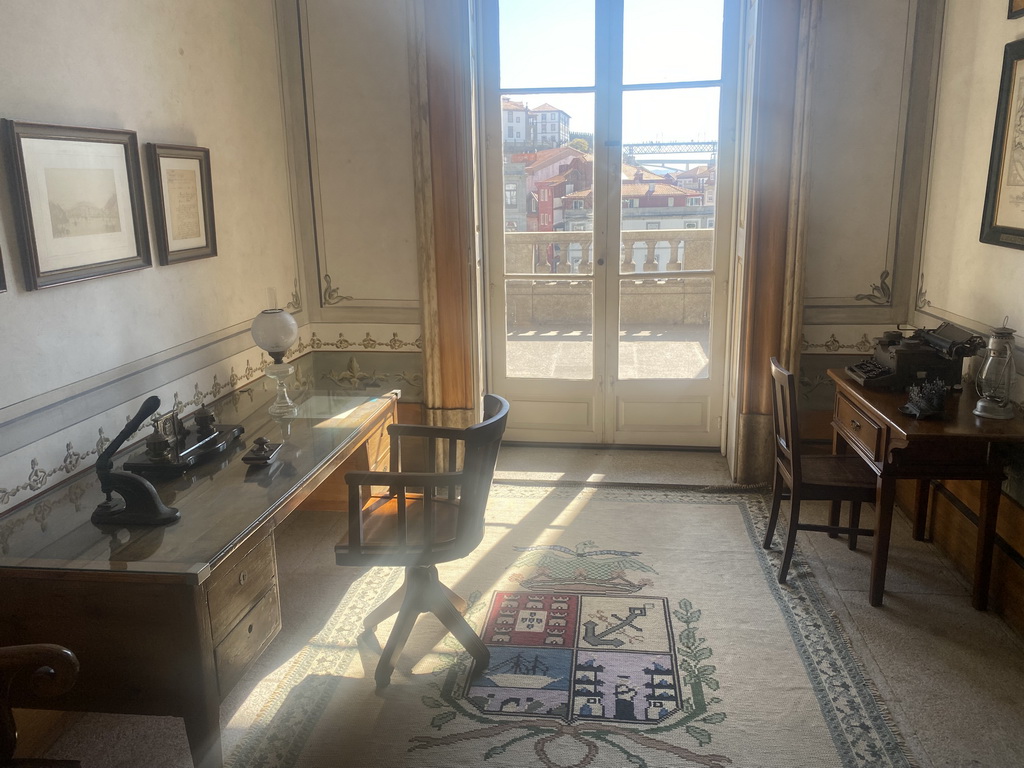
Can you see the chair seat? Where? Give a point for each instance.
(834, 471)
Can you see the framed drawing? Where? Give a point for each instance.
(1002, 220)
(1016, 9)
(182, 202)
(77, 195)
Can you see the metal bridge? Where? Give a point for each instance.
(669, 147)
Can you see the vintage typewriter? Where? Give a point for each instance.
(900, 361)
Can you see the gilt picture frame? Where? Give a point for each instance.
(1015, 9)
(78, 201)
(182, 202)
(1002, 220)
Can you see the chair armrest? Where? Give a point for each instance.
(422, 430)
(51, 669)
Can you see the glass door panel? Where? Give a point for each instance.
(665, 328)
(549, 329)
(695, 55)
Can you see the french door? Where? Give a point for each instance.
(606, 178)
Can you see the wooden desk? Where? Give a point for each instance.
(961, 446)
(165, 620)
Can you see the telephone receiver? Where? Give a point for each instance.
(140, 503)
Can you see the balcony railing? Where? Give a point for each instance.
(653, 293)
(647, 251)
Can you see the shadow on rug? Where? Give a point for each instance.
(627, 627)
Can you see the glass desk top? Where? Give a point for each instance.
(221, 501)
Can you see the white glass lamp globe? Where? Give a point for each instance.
(275, 330)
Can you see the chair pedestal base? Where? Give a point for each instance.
(422, 592)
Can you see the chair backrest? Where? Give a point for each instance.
(787, 431)
(481, 443)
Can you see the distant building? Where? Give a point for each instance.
(551, 126)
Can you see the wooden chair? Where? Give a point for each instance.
(422, 519)
(811, 478)
(46, 670)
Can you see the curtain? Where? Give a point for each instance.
(442, 77)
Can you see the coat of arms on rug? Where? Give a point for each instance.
(582, 662)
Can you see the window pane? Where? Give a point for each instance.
(548, 183)
(546, 44)
(669, 41)
(664, 328)
(549, 329)
(669, 180)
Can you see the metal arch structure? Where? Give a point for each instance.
(669, 147)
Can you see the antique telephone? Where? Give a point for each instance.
(140, 503)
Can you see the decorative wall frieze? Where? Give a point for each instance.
(34, 467)
(881, 292)
(40, 461)
(354, 378)
(337, 336)
(853, 340)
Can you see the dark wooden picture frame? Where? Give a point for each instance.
(1002, 220)
(1015, 9)
(182, 202)
(78, 201)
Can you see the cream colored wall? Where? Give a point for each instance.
(188, 72)
(78, 358)
(962, 278)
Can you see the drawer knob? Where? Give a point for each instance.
(242, 578)
(249, 629)
(854, 423)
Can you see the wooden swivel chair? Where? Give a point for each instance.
(46, 670)
(422, 519)
(811, 478)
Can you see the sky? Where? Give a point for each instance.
(550, 43)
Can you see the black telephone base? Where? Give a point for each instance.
(181, 459)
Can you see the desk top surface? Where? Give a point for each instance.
(958, 421)
(221, 501)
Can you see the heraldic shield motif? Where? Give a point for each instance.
(580, 657)
(579, 643)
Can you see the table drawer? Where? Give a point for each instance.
(232, 593)
(858, 428)
(247, 640)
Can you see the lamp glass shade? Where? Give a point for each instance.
(996, 377)
(274, 330)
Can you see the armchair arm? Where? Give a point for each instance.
(52, 669)
(422, 430)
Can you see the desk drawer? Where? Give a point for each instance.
(858, 428)
(247, 640)
(233, 592)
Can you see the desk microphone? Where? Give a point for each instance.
(140, 503)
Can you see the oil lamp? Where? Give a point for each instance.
(274, 330)
(996, 376)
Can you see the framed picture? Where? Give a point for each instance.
(3, 282)
(1016, 9)
(1002, 221)
(78, 201)
(182, 202)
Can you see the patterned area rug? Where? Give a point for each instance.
(627, 627)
